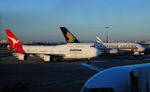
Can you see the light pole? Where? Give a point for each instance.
(107, 34)
(0, 27)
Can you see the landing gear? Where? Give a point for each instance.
(51, 59)
(59, 59)
(89, 61)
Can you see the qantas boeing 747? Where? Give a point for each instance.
(47, 53)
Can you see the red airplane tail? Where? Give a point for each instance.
(14, 43)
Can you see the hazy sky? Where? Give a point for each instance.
(39, 20)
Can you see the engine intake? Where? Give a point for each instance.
(46, 58)
(22, 57)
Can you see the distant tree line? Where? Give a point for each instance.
(42, 43)
(34, 43)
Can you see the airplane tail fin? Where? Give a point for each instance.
(13, 41)
(69, 38)
(98, 40)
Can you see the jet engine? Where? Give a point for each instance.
(22, 57)
(115, 51)
(121, 51)
(46, 58)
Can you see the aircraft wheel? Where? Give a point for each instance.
(51, 59)
(89, 61)
(59, 60)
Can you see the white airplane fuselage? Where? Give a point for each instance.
(72, 50)
(47, 53)
(121, 46)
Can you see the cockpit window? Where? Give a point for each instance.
(111, 90)
(104, 90)
(92, 46)
(94, 90)
(85, 89)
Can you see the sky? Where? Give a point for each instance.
(39, 20)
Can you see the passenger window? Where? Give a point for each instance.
(134, 82)
(101, 90)
(104, 90)
(94, 90)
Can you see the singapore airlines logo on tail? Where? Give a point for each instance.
(71, 38)
(13, 40)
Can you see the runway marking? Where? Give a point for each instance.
(24, 71)
(37, 86)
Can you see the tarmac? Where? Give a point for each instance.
(33, 75)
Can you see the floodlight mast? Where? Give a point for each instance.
(107, 34)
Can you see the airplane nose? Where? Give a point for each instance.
(99, 52)
(143, 49)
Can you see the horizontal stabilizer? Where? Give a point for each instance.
(92, 67)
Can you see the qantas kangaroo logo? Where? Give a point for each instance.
(13, 40)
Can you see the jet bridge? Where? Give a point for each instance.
(140, 79)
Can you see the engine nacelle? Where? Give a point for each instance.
(46, 58)
(22, 57)
(113, 51)
(121, 51)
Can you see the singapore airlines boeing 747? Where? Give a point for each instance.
(111, 48)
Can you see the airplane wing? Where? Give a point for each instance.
(105, 48)
(41, 55)
(38, 55)
(92, 67)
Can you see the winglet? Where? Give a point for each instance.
(92, 67)
(98, 40)
(69, 38)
